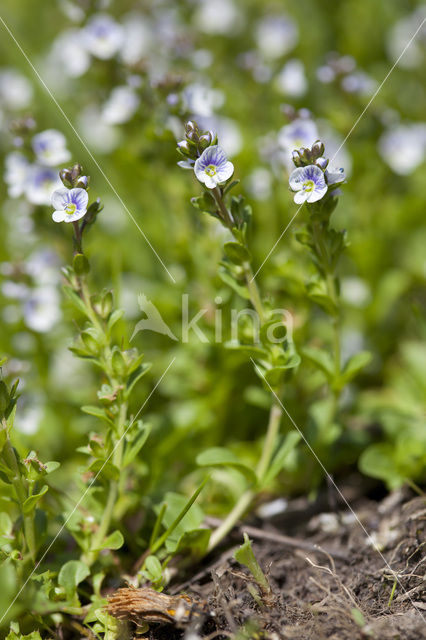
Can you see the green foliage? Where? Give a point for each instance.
(245, 556)
(348, 365)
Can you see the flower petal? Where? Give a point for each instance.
(59, 216)
(60, 198)
(225, 172)
(296, 179)
(210, 181)
(317, 194)
(300, 197)
(75, 216)
(79, 197)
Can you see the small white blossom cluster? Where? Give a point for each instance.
(343, 70)
(36, 300)
(37, 180)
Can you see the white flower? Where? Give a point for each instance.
(213, 167)
(101, 137)
(16, 91)
(220, 16)
(42, 309)
(259, 183)
(291, 80)
(359, 82)
(70, 204)
(41, 183)
(335, 175)
(16, 173)
(401, 33)
(120, 106)
(276, 35)
(138, 39)
(227, 131)
(69, 54)
(201, 100)
(309, 183)
(50, 148)
(302, 132)
(103, 36)
(403, 148)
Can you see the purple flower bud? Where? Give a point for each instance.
(322, 163)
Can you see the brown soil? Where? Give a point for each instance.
(329, 581)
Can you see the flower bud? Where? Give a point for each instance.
(65, 176)
(83, 182)
(317, 149)
(322, 163)
(297, 159)
(183, 147)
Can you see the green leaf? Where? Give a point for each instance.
(378, 461)
(236, 252)
(320, 359)
(245, 556)
(181, 515)
(153, 569)
(136, 376)
(31, 502)
(354, 366)
(80, 264)
(114, 541)
(205, 203)
(228, 279)
(98, 412)
(274, 376)
(195, 541)
(52, 466)
(6, 524)
(75, 299)
(250, 350)
(290, 442)
(358, 617)
(70, 576)
(14, 634)
(317, 292)
(114, 318)
(109, 470)
(222, 457)
(133, 448)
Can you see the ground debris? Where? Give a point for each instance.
(372, 587)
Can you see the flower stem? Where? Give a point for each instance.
(226, 214)
(247, 497)
(233, 516)
(275, 416)
(21, 489)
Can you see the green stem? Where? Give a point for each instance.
(226, 214)
(253, 289)
(247, 497)
(233, 516)
(275, 416)
(21, 489)
(115, 489)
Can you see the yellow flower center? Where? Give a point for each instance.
(211, 170)
(308, 185)
(70, 208)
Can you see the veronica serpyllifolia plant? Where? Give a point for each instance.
(268, 342)
(317, 186)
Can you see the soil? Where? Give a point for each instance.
(329, 578)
